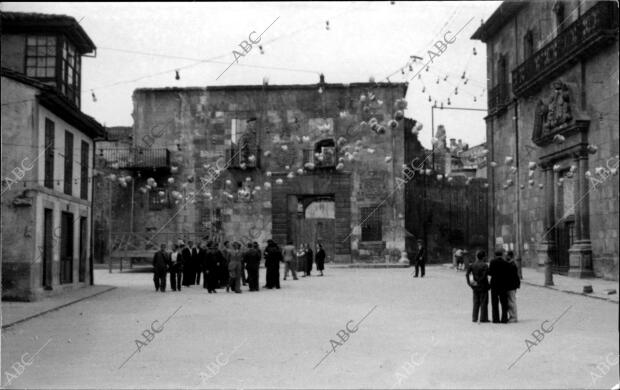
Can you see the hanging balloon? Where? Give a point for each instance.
(267, 185)
(592, 149)
(340, 166)
(388, 159)
(393, 124)
(171, 180)
(508, 160)
(279, 181)
(398, 115)
(268, 173)
(267, 153)
(531, 165)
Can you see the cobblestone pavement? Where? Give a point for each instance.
(353, 328)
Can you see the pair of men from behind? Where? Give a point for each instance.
(504, 282)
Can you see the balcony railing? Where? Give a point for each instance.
(595, 28)
(327, 158)
(499, 97)
(243, 158)
(136, 158)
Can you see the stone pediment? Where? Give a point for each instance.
(558, 117)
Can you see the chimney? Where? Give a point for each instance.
(321, 78)
(452, 142)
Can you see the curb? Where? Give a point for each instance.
(4, 326)
(556, 289)
(569, 292)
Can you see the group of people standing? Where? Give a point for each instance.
(228, 266)
(505, 280)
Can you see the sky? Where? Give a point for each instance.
(141, 45)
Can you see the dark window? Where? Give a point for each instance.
(70, 72)
(68, 163)
(41, 57)
(158, 199)
(502, 69)
(528, 45)
(49, 154)
(84, 171)
(371, 223)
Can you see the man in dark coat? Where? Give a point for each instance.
(160, 264)
(477, 279)
(320, 258)
(196, 264)
(273, 257)
(499, 271)
(188, 265)
(420, 259)
(514, 283)
(223, 271)
(211, 265)
(251, 259)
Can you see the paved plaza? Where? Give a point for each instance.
(352, 328)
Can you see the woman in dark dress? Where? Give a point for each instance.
(309, 259)
(273, 257)
(320, 258)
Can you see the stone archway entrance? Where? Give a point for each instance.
(316, 217)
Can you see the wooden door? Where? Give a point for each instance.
(83, 246)
(66, 248)
(48, 248)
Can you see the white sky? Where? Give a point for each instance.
(365, 39)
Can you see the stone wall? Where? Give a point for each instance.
(288, 121)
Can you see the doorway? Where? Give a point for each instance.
(315, 222)
(83, 238)
(66, 248)
(48, 249)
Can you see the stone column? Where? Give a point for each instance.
(580, 252)
(546, 248)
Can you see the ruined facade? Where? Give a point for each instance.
(552, 134)
(300, 163)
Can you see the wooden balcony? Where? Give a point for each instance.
(136, 158)
(596, 28)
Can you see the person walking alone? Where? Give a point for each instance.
(273, 257)
(320, 258)
(420, 259)
(160, 263)
(288, 253)
(477, 279)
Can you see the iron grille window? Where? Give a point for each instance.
(49, 154)
(68, 163)
(371, 223)
(158, 199)
(84, 170)
(41, 57)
